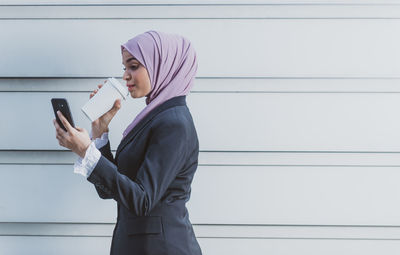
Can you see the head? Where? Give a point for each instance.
(160, 66)
(136, 76)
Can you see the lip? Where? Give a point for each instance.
(130, 87)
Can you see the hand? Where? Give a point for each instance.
(76, 139)
(100, 125)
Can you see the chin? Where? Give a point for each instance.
(133, 95)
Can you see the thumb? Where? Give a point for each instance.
(79, 128)
(116, 106)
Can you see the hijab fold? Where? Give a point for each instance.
(171, 63)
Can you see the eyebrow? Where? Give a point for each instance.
(130, 59)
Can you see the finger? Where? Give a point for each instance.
(65, 122)
(60, 132)
(95, 91)
(116, 106)
(58, 128)
(118, 103)
(60, 140)
(56, 124)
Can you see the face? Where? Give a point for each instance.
(136, 76)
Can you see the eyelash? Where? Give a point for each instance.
(132, 67)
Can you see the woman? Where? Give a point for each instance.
(151, 174)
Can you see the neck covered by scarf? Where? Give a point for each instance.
(171, 63)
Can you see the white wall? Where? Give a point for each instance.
(296, 105)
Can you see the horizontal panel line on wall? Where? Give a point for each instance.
(243, 92)
(253, 165)
(35, 235)
(303, 238)
(225, 151)
(219, 85)
(227, 158)
(212, 231)
(337, 165)
(81, 77)
(220, 18)
(201, 11)
(227, 237)
(199, 3)
(233, 151)
(208, 225)
(214, 77)
(296, 92)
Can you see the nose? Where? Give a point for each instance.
(126, 76)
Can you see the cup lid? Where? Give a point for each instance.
(116, 84)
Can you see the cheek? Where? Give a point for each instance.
(147, 89)
(145, 79)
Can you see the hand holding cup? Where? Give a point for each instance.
(100, 125)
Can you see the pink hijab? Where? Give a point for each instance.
(171, 63)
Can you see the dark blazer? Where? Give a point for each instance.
(150, 179)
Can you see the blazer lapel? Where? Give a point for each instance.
(175, 101)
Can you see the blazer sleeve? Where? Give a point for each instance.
(164, 158)
(105, 152)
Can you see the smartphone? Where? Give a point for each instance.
(61, 104)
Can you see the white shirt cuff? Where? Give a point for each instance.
(85, 166)
(103, 140)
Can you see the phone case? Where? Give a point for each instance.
(61, 104)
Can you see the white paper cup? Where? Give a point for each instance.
(104, 99)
